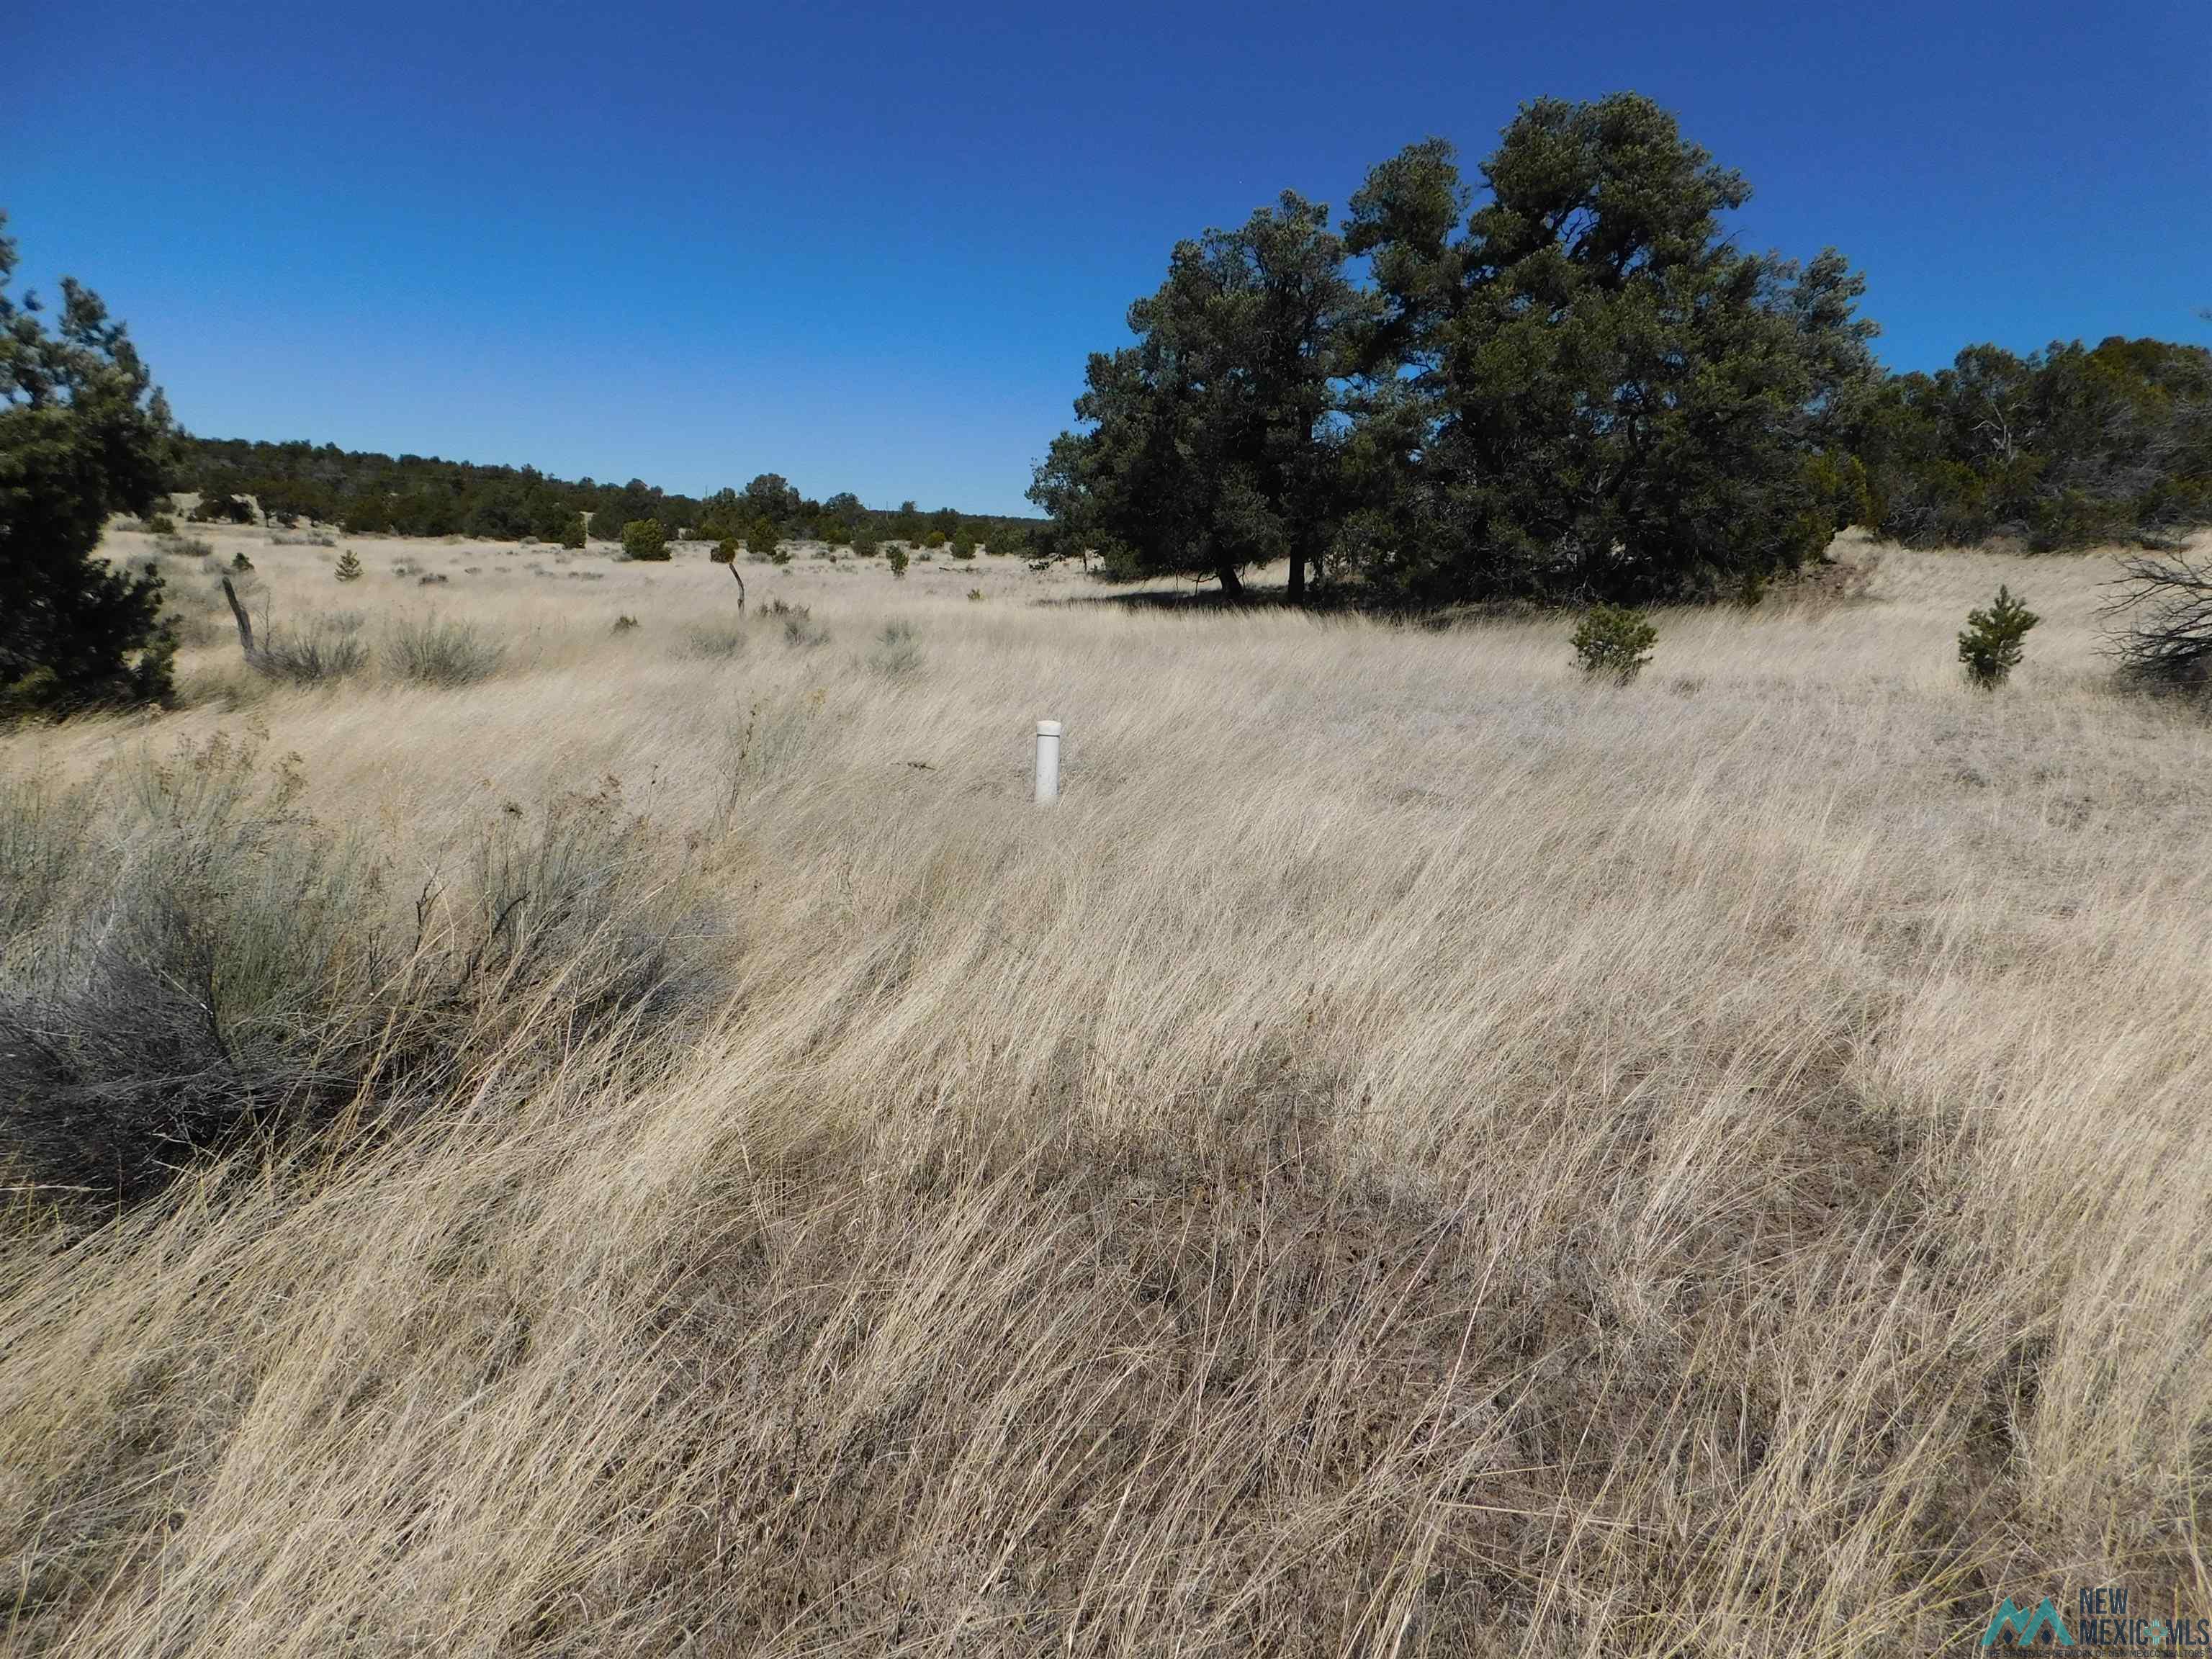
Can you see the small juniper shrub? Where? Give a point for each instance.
(645, 540)
(239, 562)
(976, 594)
(624, 624)
(1615, 642)
(348, 569)
(1992, 644)
(161, 525)
(898, 559)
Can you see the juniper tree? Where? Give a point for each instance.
(646, 540)
(83, 434)
(1589, 392)
(1212, 443)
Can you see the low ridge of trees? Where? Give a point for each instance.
(364, 492)
(2069, 446)
(1574, 386)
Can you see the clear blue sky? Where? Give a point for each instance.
(869, 248)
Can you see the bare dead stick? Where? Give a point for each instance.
(244, 622)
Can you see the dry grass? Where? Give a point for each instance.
(1414, 1155)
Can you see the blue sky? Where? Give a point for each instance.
(869, 248)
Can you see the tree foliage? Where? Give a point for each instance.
(646, 539)
(420, 495)
(2069, 446)
(1613, 643)
(1579, 390)
(1213, 443)
(1992, 644)
(83, 434)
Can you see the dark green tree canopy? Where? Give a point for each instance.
(83, 434)
(769, 497)
(1608, 399)
(1579, 390)
(2064, 447)
(1212, 441)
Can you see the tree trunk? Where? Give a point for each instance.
(1231, 587)
(1297, 588)
(244, 622)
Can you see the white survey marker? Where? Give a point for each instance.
(1048, 760)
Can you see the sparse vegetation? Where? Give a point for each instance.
(898, 559)
(847, 1096)
(325, 648)
(716, 640)
(437, 652)
(202, 960)
(2164, 612)
(897, 651)
(796, 621)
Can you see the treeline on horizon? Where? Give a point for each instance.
(363, 492)
(1573, 386)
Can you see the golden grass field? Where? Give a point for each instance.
(1415, 1154)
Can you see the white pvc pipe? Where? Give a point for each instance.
(1048, 760)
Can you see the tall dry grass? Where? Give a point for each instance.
(1414, 1155)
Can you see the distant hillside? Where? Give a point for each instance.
(422, 496)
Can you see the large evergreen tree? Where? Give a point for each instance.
(1212, 441)
(83, 434)
(1581, 390)
(1606, 399)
